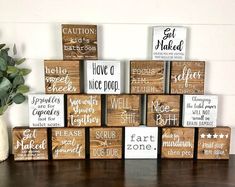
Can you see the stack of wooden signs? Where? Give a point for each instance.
(85, 113)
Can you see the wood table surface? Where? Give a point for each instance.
(118, 173)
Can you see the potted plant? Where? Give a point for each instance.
(12, 90)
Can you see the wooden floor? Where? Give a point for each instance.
(118, 173)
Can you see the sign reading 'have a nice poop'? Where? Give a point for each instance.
(169, 43)
(46, 110)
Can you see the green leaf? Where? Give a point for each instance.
(12, 69)
(18, 62)
(10, 61)
(18, 80)
(14, 49)
(2, 45)
(5, 84)
(22, 89)
(1, 74)
(3, 109)
(3, 64)
(19, 98)
(24, 71)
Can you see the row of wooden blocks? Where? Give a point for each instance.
(118, 143)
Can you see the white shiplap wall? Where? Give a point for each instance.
(124, 34)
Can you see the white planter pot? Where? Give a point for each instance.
(4, 142)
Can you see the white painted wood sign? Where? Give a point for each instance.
(103, 77)
(169, 43)
(141, 142)
(200, 110)
(46, 110)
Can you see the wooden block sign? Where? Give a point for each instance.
(30, 144)
(169, 43)
(79, 42)
(141, 142)
(68, 143)
(103, 77)
(187, 77)
(213, 143)
(83, 110)
(200, 110)
(147, 77)
(46, 110)
(163, 110)
(177, 142)
(123, 110)
(105, 143)
(62, 76)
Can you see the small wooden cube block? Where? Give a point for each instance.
(30, 144)
(46, 110)
(79, 42)
(123, 110)
(62, 76)
(147, 77)
(177, 142)
(187, 77)
(213, 143)
(103, 77)
(105, 143)
(68, 143)
(200, 110)
(163, 110)
(141, 142)
(83, 110)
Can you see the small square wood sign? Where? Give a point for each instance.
(62, 76)
(213, 143)
(30, 144)
(68, 143)
(83, 110)
(123, 110)
(105, 143)
(163, 110)
(187, 77)
(147, 77)
(79, 42)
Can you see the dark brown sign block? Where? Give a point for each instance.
(147, 77)
(163, 110)
(177, 142)
(79, 42)
(84, 110)
(213, 143)
(62, 76)
(30, 144)
(105, 143)
(187, 77)
(68, 143)
(123, 110)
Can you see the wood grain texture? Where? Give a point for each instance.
(147, 77)
(105, 143)
(123, 110)
(177, 142)
(163, 110)
(83, 110)
(213, 143)
(187, 77)
(68, 143)
(79, 42)
(30, 144)
(62, 76)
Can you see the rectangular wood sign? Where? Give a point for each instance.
(200, 110)
(105, 143)
(103, 77)
(30, 144)
(163, 110)
(187, 77)
(213, 143)
(147, 77)
(169, 43)
(141, 142)
(62, 76)
(177, 142)
(123, 110)
(83, 110)
(46, 110)
(79, 42)
(68, 143)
